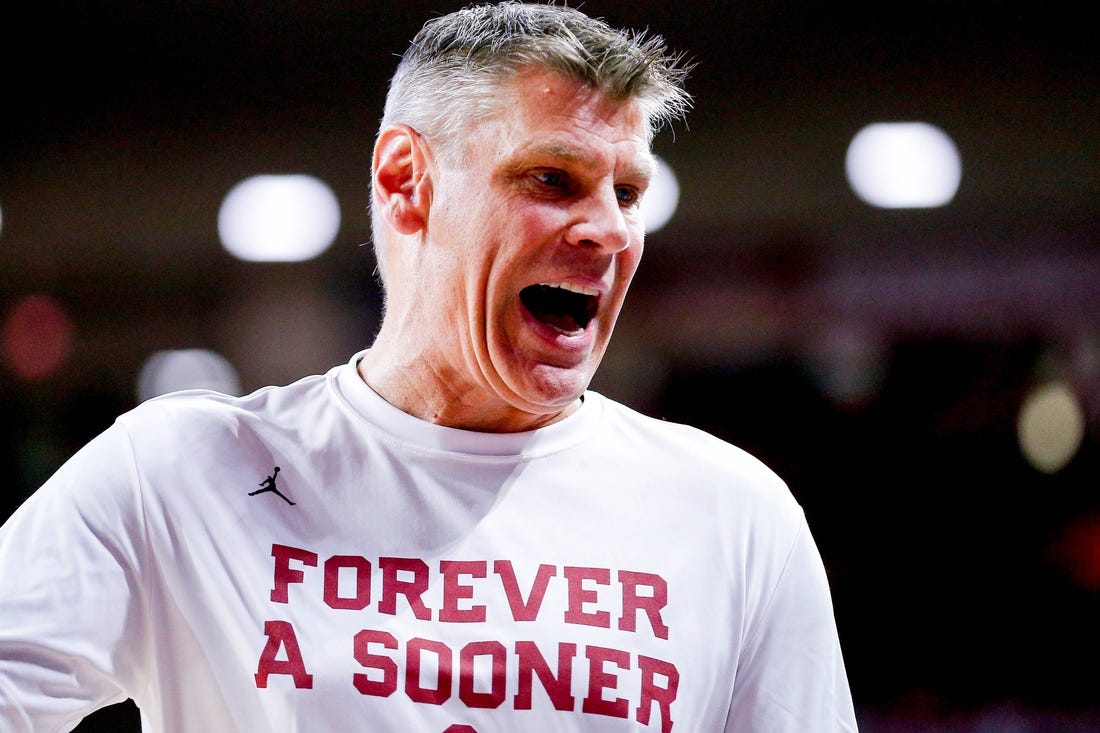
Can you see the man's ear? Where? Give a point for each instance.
(402, 185)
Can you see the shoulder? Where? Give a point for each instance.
(716, 499)
(194, 434)
(695, 460)
(690, 445)
(188, 412)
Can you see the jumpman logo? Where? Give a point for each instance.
(268, 484)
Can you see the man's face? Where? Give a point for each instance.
(535, 236)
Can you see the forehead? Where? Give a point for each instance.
(543, 114)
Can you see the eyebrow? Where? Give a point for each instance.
(643, 169)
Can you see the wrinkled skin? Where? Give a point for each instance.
(547, 191)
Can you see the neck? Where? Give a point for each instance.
(441, 397)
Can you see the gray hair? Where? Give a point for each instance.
(450, 76)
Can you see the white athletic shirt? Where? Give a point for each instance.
(309, 558)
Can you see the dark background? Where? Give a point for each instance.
(965, 581)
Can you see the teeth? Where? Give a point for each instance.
(573, 288)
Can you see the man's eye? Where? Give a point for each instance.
(627, 195)
(553, 179)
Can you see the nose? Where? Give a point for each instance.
(599, 222)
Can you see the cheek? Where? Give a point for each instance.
(538, 218)
(630, 258)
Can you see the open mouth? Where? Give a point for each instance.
(567, 308)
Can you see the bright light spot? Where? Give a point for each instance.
(279, 218)
(36, 337)
(902, 165)
(661, 198)
(173, 370)
(1050, 427)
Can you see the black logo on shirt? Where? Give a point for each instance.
(268, 484)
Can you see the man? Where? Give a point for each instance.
(462, 538)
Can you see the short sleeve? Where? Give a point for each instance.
(70, 601)
(791, 676)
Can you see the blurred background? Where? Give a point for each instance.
(881, 274)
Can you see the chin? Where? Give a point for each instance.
(549, 388)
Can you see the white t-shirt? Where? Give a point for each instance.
(309, 558)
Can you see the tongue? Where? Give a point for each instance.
(561, 321)
(551, 306)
